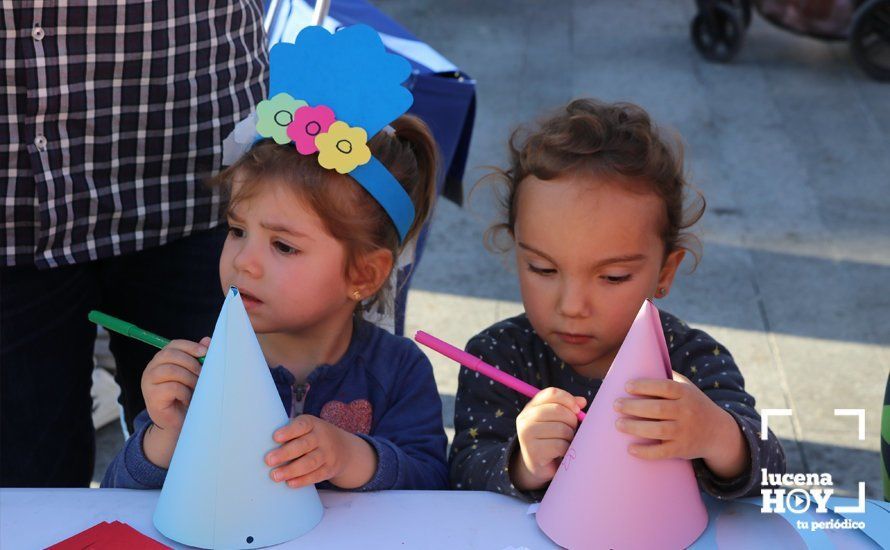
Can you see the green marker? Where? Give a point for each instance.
(129, 329)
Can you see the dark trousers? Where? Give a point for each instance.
(46, 347)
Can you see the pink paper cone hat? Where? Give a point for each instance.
(603, 497)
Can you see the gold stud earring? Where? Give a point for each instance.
(356, 295)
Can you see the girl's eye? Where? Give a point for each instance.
(283, 248)
(616, 279)
(540, 270)
(236, 232)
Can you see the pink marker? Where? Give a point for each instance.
(478, 365)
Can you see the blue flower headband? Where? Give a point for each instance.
(328, 94)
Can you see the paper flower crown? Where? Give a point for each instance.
(327, 94)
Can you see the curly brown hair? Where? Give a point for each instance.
(347, 210)
(616, 142)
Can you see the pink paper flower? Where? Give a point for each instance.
(309, 122)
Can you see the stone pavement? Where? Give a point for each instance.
(791, 146)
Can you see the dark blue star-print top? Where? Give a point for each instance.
(485, 412)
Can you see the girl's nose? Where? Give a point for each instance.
(574, 300)
(247, 260)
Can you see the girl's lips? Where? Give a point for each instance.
(249, 301)
(574, 339)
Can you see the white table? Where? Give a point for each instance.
(37, 518)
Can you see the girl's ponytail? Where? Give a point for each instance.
(409, 153)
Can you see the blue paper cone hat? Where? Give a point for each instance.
(218, 493)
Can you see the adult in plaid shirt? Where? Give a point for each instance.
(112, 113)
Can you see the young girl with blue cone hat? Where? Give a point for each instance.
(339, 182)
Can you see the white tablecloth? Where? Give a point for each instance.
(37, 518)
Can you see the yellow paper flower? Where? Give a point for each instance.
(342, 148)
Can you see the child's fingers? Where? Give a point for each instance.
(301, 467)
(667, 389)
(664, 430)
(658, 451)
(542, 455)
(561, 447)
(291, 450)
(170, 392)
(580, 401)
(205, 342)
(556, 449)
(555, 412)
(551, 430)
(555, 396)
(297, 427)
(658, 409)
(195, 349)
(169, 372)
(680, 378)
(177, 357)
(312, 478)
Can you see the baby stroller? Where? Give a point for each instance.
(718, 29)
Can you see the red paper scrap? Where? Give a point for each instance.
(109, 536)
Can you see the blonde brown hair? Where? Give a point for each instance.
(614, 141)
(348, 212)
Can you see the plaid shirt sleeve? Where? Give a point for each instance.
(111, 116)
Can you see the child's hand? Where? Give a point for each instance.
(687, 423)
(167, 385)
(169, 380)
(313, 451)
(545, 428)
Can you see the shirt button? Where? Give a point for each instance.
(40, 143)
(37, 33)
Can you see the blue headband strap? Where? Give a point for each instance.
(388, 192)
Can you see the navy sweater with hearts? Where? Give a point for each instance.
(382, 389)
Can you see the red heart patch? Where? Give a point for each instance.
(353, 418)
